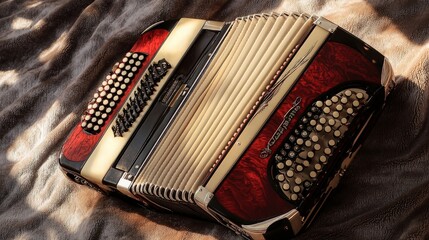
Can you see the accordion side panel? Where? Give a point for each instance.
(80, 144)
(247, 192)
(110, 146)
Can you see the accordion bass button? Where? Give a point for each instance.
(355, 103)
(327, 151)
(313, 174)
(294, 197)
(326, 110)
(286, 186)
(335, 99)
(319, 104)
(297, 189)
(314, 138)
(310, 154)
(306, 163)
(299, 141)
(328, 129)
(317, 147)
(337, 133)
(328, 102)
(313, 122)
(289, 163)
(299, 168)
(280, 165)
(308, 142)
(298, 180)
(323, 159)
(348, 93)
(128, 54)
(280, 177)
(359, 95)
(319, 127)
(317, 166)
(349, 111)
(344, 100)
(331, 142)
(289, 173)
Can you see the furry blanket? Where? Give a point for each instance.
(53, 54)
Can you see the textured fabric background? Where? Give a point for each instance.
(53, 55)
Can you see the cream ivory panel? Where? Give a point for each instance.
(109, 147)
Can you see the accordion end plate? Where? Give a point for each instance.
(325, 24)
(387, 77)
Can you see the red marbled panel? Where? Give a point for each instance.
(80, 144)
(246, 192)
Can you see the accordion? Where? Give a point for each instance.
(250, 123)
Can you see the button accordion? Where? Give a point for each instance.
(250, 123)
